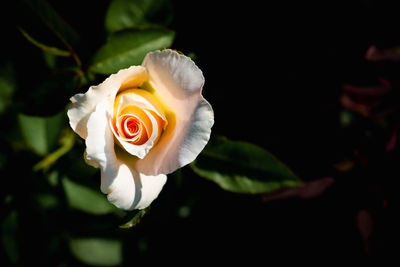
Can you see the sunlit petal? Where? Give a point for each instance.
(178, 84)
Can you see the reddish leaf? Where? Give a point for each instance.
(365, 225)
(352, 105)
(308, 190)
(374, 90)
(383, 54)
(344, 165)
(391, 144)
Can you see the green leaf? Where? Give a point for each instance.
(123, 14)
(67, 142)
(46, 201)
(41, 133)
(133, 218)
(86, 199)
(242, 167)
(51, 94)
(9, 232)
(53, 21)
(7, 85)
(45, 48)
(129, 47)
(97, 251)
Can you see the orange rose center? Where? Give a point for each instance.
(133, 122)
(131, 126)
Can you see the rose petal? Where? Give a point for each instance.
(84, 104)
(133, 190)
(139, 98)
(126, 188)
(178, 83)
(100, 145)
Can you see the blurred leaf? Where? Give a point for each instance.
(41, 133)
(86, 199)
(46, 201)
(51, 95)
(53, 21)
(67, 142)
(97, 251)
(346, 118)
(7, 85)
(365, 225)
(309, 189)
(129, 47)
(242, 167)
(45, 48)
(393, 140)
(367, 91)
(134, 217)
(376, 54)
(52, 178)
(123, 14)
(9, 230)
(361, 108)
(51, 60)
(184, 211)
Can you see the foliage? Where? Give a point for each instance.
(243, 167)
(128, 47)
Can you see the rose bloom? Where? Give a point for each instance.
(142, 123)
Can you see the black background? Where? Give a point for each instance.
(274, 72)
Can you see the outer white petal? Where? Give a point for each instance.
(84, 104)
(178, 83)
(100, 145)
(133, 190)
(126, 188)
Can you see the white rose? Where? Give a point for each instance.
(143, 123)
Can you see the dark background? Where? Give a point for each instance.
(274, 73)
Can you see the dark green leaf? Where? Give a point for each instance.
(46, 201)
(9, 231)
(45, 48)
(243, 167)
(86, 199)
(51, 95)
(133, 218)
(129, 47)
(7, 85)
(51, 60)
(123, 14)
(67, 141)
(41, 133)
(53, 21)
(97, 251)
